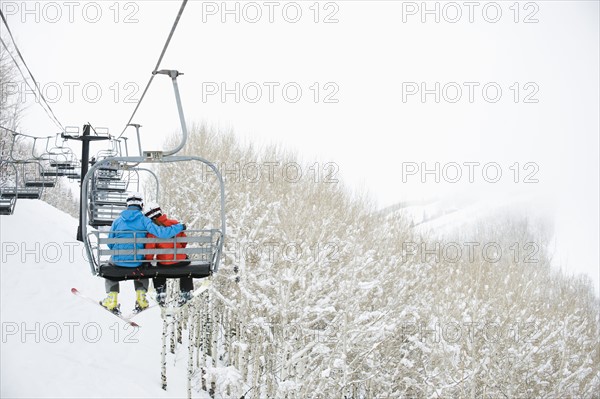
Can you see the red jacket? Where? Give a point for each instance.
(166, 259)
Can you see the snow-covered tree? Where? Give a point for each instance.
(319, 297)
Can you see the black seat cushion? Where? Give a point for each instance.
(118, 273)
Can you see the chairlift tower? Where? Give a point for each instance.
(85, 139)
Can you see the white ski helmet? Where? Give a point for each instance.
(135, 199)
(152, 210)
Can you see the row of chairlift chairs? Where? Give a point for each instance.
(108, 191)
(112, 174)
(25, 175)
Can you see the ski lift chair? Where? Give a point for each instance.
(8, 202)
(23, 192)
(7, 205)
(204, 247)
(32, 179)
(106, 205)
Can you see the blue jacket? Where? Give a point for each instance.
(132, 219)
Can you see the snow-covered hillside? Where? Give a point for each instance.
(449, 218)
(57, 345)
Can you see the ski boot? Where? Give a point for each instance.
(184, 297)
(110, 303)
(141, 302)
(161, 296)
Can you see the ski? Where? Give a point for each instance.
(127, 319)
(134, 313)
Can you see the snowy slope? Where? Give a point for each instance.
(57, 345)
(445, 218)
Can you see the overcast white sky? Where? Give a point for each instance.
(367, 55)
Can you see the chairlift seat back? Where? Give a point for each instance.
(201, 251)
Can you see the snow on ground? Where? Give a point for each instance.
(57, 345)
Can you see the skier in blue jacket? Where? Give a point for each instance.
(133, 220)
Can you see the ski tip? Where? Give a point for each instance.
(74, 290)
(134, 324)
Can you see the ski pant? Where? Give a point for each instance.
(185, 283)
(113, 286)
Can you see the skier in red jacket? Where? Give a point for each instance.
(186, 284)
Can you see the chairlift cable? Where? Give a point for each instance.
(162, 54)
(92, 127)
(10, 130)
(55, 119)
(27, 82)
